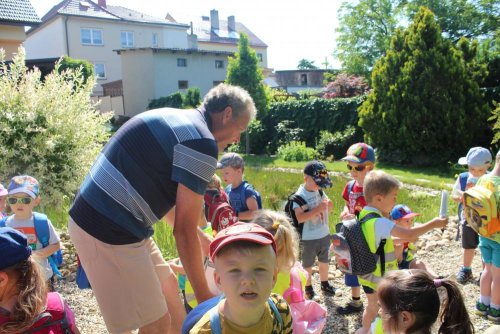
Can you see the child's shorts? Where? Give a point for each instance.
(315, 248)
(470, 239)
(351, 280)
(490, 251)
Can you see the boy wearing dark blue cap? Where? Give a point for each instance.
(23, 198)
(315, 238)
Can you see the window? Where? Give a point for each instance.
(181, 62)
(100, 71)
(216, 83)
(259, 57)
(127, 39)
(91, 36)
(303, 79)
(155, 40)
(219, 64)
(183, 84)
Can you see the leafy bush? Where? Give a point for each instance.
(346, 86)
(334, 146)
(257, 140)
(284, 132)
(192, 98)
(86, 68)
(50, 130)
(297, 151)
(313, 115)
(173, 100)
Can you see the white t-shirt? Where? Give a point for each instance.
(27, 227)
(317, 229)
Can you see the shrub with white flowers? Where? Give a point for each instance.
(49, 129)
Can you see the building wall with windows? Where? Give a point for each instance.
(96, 39)
(150, 74)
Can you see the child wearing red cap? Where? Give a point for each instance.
(244, 256)
(404, 217)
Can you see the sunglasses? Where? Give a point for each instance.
(22, 200)
(356, 168)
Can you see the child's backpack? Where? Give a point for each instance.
(352, 253)
(238, 200)
(41, 223)
(57, 318)
(308, 316)
(481, 209)
(290, 212)
(81, 277)
(218, 211)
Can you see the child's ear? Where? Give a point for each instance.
(4, 279)
(36, 201)
(217, 280)
(407, 319)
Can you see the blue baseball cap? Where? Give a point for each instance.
(13, 247)
(402, 211)
(360, 153)
(476, 157)
(24, 184)
(317, 170)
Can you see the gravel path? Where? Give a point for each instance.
(436, 248)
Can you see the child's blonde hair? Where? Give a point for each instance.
(378, 182)
(214, 182)
(285, 236)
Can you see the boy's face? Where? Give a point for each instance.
(231, 175)
(405, 222)
(387, 202)
(21, 208)
(478, 171)
(246, 278)
(359, 171)
(309, 183)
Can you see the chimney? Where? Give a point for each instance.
(231, 23)
(214, 20)
(102, 3)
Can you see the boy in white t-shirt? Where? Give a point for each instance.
(23, 198)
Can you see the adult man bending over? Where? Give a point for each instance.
(158, 160)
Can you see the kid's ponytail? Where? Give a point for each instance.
(454, 316)
(32, 297)
(287, 240)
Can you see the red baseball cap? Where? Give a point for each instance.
(241, 232)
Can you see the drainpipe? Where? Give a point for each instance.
(66, 33)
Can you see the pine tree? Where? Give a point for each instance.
(426, 106)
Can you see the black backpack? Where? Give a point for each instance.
(290, 212)
(352, 253)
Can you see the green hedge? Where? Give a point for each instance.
(314, 115)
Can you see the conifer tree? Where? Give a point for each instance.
(426, 106)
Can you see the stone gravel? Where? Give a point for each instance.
(439, 249)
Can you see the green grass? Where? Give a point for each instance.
(275, 186)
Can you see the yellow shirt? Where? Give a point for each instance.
(268, 324)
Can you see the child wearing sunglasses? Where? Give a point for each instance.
(360, 160)
(23, 198)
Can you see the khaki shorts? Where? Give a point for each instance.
(126, 279)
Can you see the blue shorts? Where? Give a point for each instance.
(351, 280)
(490, 251)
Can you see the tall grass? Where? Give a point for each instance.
(274, 187)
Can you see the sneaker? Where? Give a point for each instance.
(481, 309)
(328, 290)
(464, 276)
(494, 315)
(351, 307)
(310, 294)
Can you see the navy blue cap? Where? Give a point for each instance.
(13, 247)
(319, 173)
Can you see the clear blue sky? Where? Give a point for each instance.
(292, 29)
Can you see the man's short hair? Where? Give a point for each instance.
(222, 96)
(378, 182)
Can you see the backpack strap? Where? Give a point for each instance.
(380, 249)
(243, 190)
(41, 223)
(3, 221)
(462, 178)
(215, 319)
(350, 185)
